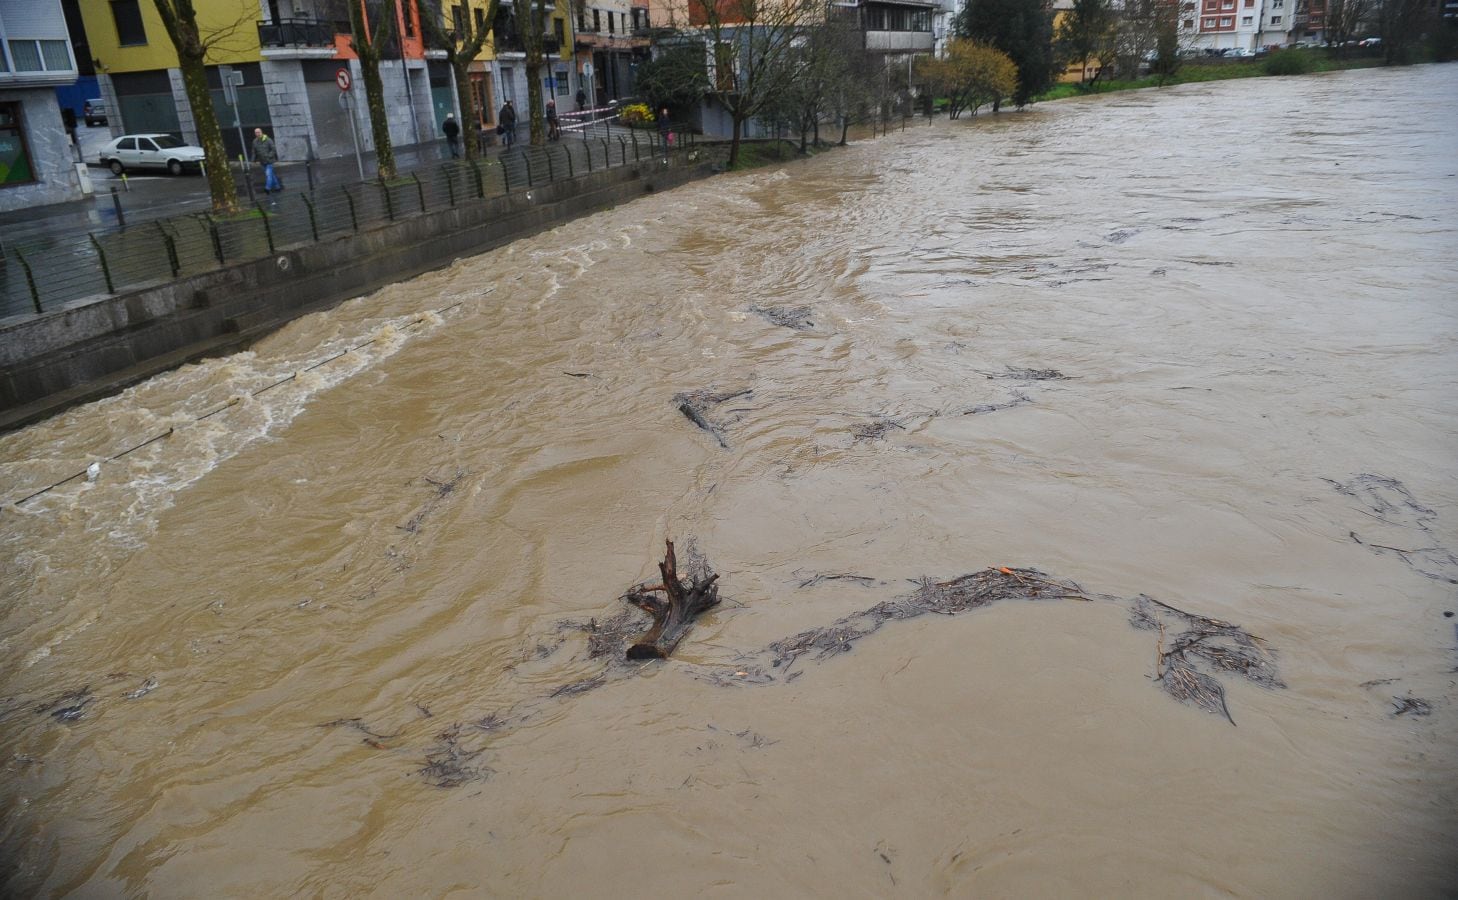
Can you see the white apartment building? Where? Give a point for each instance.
(37, 165)
(1240, 24)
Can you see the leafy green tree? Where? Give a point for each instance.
(1167, 59)
(179, 19)
(1401, 23)
(1023, 29)
(1087, 33)
(369, 43)
(971, 75)
(676, 77)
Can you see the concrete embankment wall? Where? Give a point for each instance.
(100, 347)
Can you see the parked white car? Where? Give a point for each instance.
(151, 151)
(1239, 53)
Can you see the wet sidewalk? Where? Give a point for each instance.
(139, 197)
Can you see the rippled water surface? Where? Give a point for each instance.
(1250, 288)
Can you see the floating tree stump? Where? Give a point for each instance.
(672, 616)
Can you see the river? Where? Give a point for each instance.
(230, 654)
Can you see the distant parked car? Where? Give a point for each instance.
(151, 151)
(1371, 42)
(94, 112)
(1238, 53)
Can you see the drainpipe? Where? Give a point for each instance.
(400, 14)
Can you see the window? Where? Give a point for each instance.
(610, 22)
(724, 66)
(1189, 23)
(127, 144)
(26, 56)
(1209, 23)
(1277, 4)
(1249, 4)
(1275, 20)
(597, 20)
(128, 17)
(559, 31)
(562, 84)
(1245, 20)
(1227, 22)
(40, 56)
(14, 155)
(458, 20)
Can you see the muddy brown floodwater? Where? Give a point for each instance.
(240, 661)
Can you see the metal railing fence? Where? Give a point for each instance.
(42, 274)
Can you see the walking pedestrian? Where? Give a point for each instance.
(665, 130)
(265, 153)
(581, 99)
(452, 131)
(506, 121)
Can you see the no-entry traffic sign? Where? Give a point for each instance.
(341, 78)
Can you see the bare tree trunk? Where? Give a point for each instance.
(367, 48)
(466, 99)
(672, 616)
(179, 19)
(734, 141)
(369, 64)
(220, 178)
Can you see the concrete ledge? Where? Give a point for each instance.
(93, 349)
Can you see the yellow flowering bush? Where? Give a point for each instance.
(636, 115)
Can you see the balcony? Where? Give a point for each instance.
(301, 35)
(899, 41)
(511, 42)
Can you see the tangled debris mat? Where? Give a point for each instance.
(1192, 652)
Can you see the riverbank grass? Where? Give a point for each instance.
(1282, 62)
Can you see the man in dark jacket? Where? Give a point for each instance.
(507, 120)
(452, 132)
(265, 153)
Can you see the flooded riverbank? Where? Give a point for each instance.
(230, 655)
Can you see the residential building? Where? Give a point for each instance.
(559, 79)
(285, 66)
(37, 158)
(1309, 22)
(897, 31)
(1276, 20)
(611, 38)
(1225, 24)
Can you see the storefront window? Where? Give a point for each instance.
(14, 157)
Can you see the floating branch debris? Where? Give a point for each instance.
(877, 430)
(1186, 666)
(68, 707)
(1018, 399)
(796, 317)
(1390, 502)
(1017, 374)
(695, 405)
(1192, 653)
(442, 490)
(1404, 705)
(449, 764)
